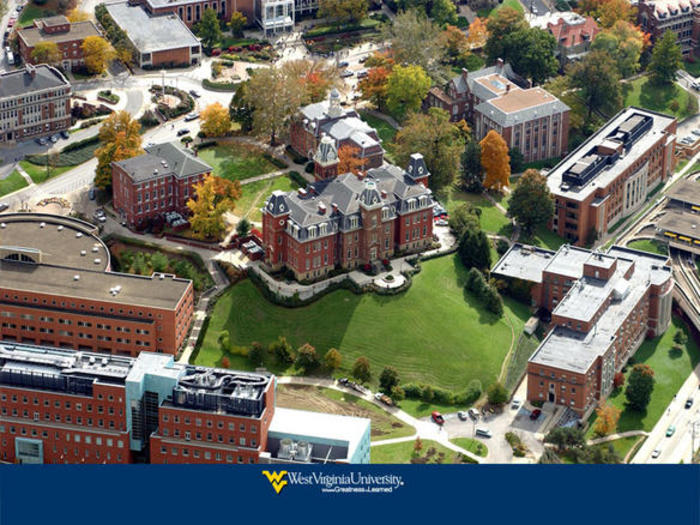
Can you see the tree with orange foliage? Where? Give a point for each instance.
(349, 160)
(454, 41)
(478, 34)
(373, 86)
(608, 416)
(316, 77)
(495, 161)
(214, 197)
(612, 11)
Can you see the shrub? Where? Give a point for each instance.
(497, 393)
(297, 178)
(428, 394)
(225, 362)
(298, 159)
(309, 168)
(413, 391)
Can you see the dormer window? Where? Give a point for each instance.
(323, 227)
(386, 212)
(312, 231)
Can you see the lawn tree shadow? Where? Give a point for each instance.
(657, 98)
(675, 352)
(485, 317)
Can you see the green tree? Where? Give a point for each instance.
(243, 227)
(237, 23)
(406, 88)
(159, 262)
(307, 359)
(517, 160)
(343, 11)
(471, 175)
(666, 59)
(257, 352)
(240, 110)
(680, 337)
(500, 26)
(388, 379)
(208, 28)
(444, 12)
(640, 384)
(441, 144)
(531, 203)
(497, 393)
(282, 351)
(565, 437)
(530, 52)
(597, 80)
(416, 40)
(464, 217)
(332, 360)
(624, 43)
(361, 370)
(428, 394)
(475, 249)
(397, 394)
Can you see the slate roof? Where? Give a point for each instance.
(478, 89)
(179, 163)
(21, 82)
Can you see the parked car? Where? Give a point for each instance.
(194, 93)
(3, 206)
(347, 73)
(42, 141)
(183, 131)
(535, 414)
(53, 139)
(656, 453)
(441, 222)
(695, 85)
(483, 432)
(362, 73)
(343, 380)
(462, 415)
(64, 134)
(670, 431)
(515, 404)
(191, 116)
(696, 131)
(384, 399)
(344, 63)
(473, 413)
(689, 402)
(437, 417)
(19, 8)
(92, 194)
(363, 59)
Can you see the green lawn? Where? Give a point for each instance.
(237, 161)
(403, 452)
(692, 68)
(642, 93)
(385, 131)
(253, 195)
(472, 445)
(433, 333)
(13, 182)
(38, 173)
(32, 11)
(490, 11)
(648, 245)
(545, 238)
(492, 219)
(671, 369)
(623, 445)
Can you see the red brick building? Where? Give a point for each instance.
(679, 16)
(574, 34)
(68, 37)
(57, 289)
(190, 11)
(63, 406)
(157, 182)
(345, 221)
(343, 125)
(603, 306)
(609, 176)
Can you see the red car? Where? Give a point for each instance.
(437, 417)
(535, 414)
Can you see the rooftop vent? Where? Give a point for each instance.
(78, 235)
(3, 225)
(42, 225)
(98, 261)
(321, 208)
(95, 249)
(83, 253)
(60, 228)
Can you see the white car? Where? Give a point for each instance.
(515, 404)
(656, 453)
(695, 85)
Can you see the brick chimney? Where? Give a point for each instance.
(499, 65)
(465, 73)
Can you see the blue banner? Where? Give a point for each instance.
(200, 494)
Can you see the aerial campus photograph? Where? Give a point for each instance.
(350, 232)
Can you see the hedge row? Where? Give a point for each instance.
(219, 86)
(363, 25)
(429, 393)
(298, 179)
(274, 160)
(298, 159)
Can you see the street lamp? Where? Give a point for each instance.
(162, 93)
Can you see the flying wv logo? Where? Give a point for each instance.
(276, 479)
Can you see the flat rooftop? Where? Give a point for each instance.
(608, 174)
(61, 241)
(570, 350)
(496, 83)
(524, 262)
(683, 223)
(686, 191)
(78, 31)
(151, 33)
(520, 99)
(148, 292)
(569, 261)
(584, 299)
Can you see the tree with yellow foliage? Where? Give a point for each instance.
(97, 53)
(606, 422)
(120, 139)
(611, 11)
(349, 160)
(214, 197)
(478, 34)
(46, 53)
(495, 161)
(215, 120)
(76, 15)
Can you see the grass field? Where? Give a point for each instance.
(623, 445)
(642, 93)
(327, 400)
(692, 67)
(490, 11)
(38, 173)
(671, 369)
(13, 182)
(493, 220)
(32, 11)
(649, 245)
(545, 238)
(433, 333)
(397, 453)
(237, 161)
(472, 445)
(253, 195)
(385, 131)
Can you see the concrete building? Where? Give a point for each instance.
(57, 289)
(63, 406)
(345, 221)
(34, 101)
(343, 125)
(157, 182)
(609, 176)
(68, 36)
(678, 226)
(679, 16)
(603, 306)
(159, 41)
(529, 119)
(190, 11)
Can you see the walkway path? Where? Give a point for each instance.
(24, 174)
(613, 437)
(386, 118)
(424, 429)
